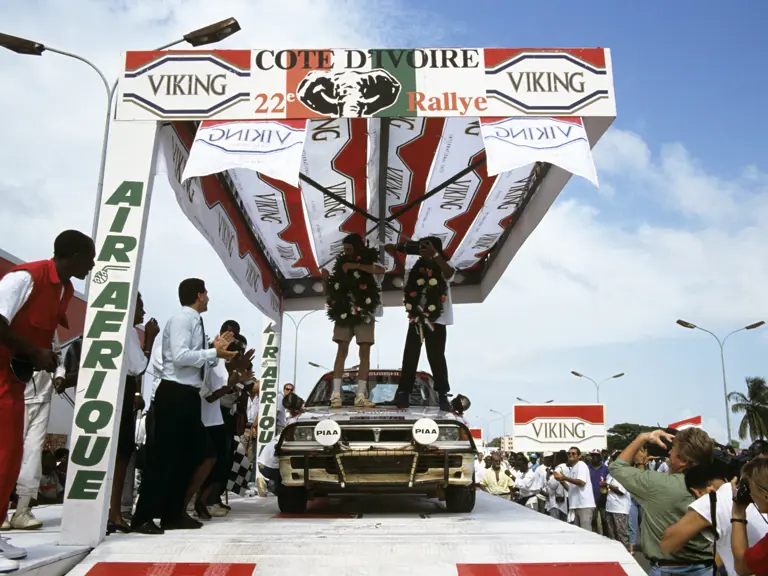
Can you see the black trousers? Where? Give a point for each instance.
(434, 341)
(220, 472)
(175, 448)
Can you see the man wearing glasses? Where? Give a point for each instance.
(288, 389)
(581, 499)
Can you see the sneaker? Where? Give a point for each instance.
(335, 401)
(262, 487)
(217, 511)
(25, 520)
(8, 565)
(363, 402)
(7, 550)
(402, 400)
(6, 526)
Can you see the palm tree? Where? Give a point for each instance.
(755, 408)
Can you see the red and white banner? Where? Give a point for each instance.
(271, 147)
(219, 219)
(511, 143)
(505, 198)
(552, 427)
(694, 422)
(335, 156)
(477, 436)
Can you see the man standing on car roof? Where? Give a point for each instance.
(352, 267)
(431, 276)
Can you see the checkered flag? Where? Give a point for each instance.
(237, 482)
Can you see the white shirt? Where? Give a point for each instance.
(617, 503)
(479, 470)
(756, 523)
(141, 430)
(210, 412)
(524, 482)
(663, 467)
(580, 497)
(39, 390)
(15, 289)
(267, 457)
(135, 359)
(253, 409)
(185, 350)
(280, 410)
(555, 490)
(156, 365)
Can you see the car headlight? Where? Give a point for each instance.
(448, 434)
(303, 434)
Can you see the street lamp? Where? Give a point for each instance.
(296, 340)
(721, 343)
(526, 401)
(504, 416)
(200, 37)
(597, 384)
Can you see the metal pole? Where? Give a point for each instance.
(725, 390)
(382, 191)
(296, 325)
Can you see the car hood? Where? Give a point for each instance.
(358, 415)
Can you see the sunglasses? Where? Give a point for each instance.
(289, 390)
(573, 453)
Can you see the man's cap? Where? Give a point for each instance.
(547, 454)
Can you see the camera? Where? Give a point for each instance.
(742, 495)
(412, 247)
(657, 451)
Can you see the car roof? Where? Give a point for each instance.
(374, 373)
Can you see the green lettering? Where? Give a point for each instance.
(117, 248)
(103, 353)
(115, 294)
(79, 453)
(270, 353)
(128, 192)
(86, 484)
(103, 411)
(121, 217)
(105, 321)
(94, 386)
(267, 424)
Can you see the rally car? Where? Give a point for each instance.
(418, 450)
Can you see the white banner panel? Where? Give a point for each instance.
(111, 303)
(268, 371)
(514, 142)
(553, 427)
(271, 147)
(506, 196)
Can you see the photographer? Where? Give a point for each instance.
(427, 298)
(665, 498)
(752, 488)
(716, 494)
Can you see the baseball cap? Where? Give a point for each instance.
(547, 454)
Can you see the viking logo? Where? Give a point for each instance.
(349, 93)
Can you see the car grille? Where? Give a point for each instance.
(377, 464)
(386, 435)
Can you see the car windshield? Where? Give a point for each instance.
(382, 387)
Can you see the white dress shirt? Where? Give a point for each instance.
(136, 361)
(185, 351)
(253, 409)
(156, 365)
(210, 412)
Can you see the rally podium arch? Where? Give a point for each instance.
(275, 156)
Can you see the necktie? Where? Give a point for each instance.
(205, 345)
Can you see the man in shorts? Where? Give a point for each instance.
(362, 332)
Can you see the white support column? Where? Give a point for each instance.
(123, 215)
(269, 365)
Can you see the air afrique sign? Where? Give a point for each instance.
(103, 347)
(270, 363)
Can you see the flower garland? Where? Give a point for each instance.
(353, 296)
(424, 294)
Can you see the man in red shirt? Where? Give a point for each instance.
(33, 303)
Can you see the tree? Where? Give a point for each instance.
(621, 435)
(495, 443)
(755, 408)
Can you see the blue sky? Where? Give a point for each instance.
(677, 228)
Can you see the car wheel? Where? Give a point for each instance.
(292, 500)
(460, 499)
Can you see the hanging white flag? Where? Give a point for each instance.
(270, 147)
(511, 143)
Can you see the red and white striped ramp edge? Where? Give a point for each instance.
(694, 422)
(366, 536)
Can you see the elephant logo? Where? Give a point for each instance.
(348, 93)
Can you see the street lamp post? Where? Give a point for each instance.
(296, 339)
(504, 416)
(721, 343)
(597, 384)
(200, 37)
(523, 400)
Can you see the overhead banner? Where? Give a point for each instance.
(270, 147)
(553, 427)
(316, 83)
(269, 368)
(507, 195)
(218, 218)
(511, 143)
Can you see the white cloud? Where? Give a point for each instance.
(583, 280)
